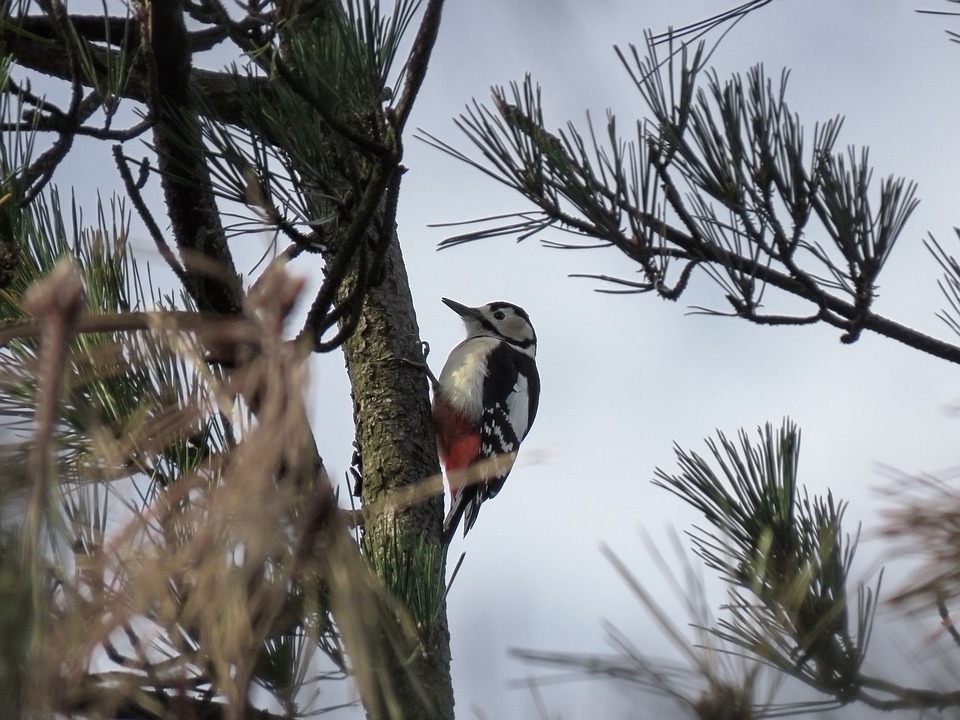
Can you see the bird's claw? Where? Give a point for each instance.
(421, 366)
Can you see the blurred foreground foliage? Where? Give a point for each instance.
(170, 542)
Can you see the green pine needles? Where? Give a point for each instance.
(783, 553)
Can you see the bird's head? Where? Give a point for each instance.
(498, 319)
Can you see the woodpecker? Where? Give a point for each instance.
(485, 401)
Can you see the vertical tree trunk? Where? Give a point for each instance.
(394, 430)
(397, 447)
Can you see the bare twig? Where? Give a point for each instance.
(210, 328)
(419, 59)
(56, 302)
(133, 191)
(947, 620)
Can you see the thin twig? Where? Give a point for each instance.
(56, 301)
(419, 59)
(947, 621)
(208, 326)
(136, 198)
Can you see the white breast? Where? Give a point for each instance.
(461, 380)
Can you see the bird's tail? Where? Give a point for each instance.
(452, 520)
(466, 502)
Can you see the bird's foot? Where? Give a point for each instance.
(421, 366)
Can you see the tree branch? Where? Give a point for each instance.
(845, 312)
(418, 61)
(133, 192)
(213, 281)
(223, 92)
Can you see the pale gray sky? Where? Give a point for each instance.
(625, 377)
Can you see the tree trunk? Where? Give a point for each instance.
(397, 449)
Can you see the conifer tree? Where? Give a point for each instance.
(172, 544)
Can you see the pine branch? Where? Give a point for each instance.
(694, 31)
(213, 281)
(719, 178)
(157, 705)
(418, 61)
(133, 192)
(219, 89)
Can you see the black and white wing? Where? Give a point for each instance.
(511, 394)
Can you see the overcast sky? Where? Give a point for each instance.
(624, 377)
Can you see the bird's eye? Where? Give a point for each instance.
(499, 315)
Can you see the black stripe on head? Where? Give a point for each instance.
(519, 312)
(516, 308)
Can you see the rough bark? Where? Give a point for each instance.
(394, 430)
(395, 438)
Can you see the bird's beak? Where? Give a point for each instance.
(461, 310)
